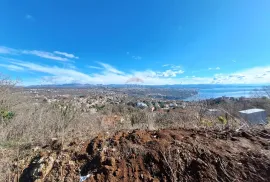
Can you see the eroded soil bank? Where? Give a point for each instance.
(163, 155)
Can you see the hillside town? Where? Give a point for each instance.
(95, 99)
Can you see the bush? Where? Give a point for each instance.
(161, 104)
(222, 120)
(138, 117)
(7, 114)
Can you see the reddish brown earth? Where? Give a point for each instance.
(164, 155)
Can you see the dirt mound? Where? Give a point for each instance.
(164, 155)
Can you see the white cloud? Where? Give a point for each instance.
(256, 75)
(95, 67)
(71, 66)
(134, 57)
(175, 67)
(172, 66)
(109, 68)
(110, 75)
(157, 74)
(7, 50)
(56, 55)
(57, 74)
(44, 54)
(12, 67)
(217, 68)
(71, 56)
(137, 57)
(165, 65)
(145, 74)
(171, 73)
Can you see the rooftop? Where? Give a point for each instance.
(249, 111)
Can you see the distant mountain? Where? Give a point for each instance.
(71, 85)
(179, 86)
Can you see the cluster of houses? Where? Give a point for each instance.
(154, 106)
(91, 103)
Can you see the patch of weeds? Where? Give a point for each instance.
(222, 120)
(7, 114)
(9, 144)
(207, 123)
(161, 104)
(268, 120)
(99, 108)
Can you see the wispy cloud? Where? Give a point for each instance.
(7, 50)
(137, 57)
(95, 67)
(56, 55)
(109, 68)
(44, 54)
(158, 74)
(170, 73)
(57, 74)
(134, 57)
(69, 65)
(256, 75)
(172, 66)
(175, 67)
(71, 56)
(12, 67)
(216, 68)
(166, 65)
(108, 74)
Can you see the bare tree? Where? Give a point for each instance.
(65, 113)
(7, 87)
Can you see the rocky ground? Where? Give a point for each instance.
(163, 155)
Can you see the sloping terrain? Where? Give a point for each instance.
(163, 155)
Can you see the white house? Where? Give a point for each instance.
(141, 105)
(254, 116)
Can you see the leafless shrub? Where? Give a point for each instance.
(138, 117)
(165, 120)
(6, 96)
(64, 113)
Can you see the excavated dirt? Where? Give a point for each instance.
(163, 155)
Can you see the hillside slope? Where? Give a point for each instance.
(164, 155)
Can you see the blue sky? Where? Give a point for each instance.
(135, 41)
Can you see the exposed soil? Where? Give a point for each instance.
(164, 155)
